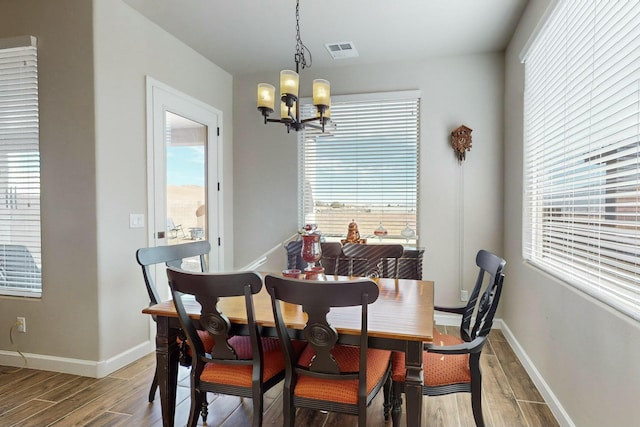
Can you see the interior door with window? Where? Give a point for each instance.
(183, 177)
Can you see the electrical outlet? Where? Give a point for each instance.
(21, 324)
(464, 295)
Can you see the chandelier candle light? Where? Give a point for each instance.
(289, 85)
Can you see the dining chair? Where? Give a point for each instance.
(172, 255)
(327, 376)
(238, 365)
(452, 364)
(370, 260)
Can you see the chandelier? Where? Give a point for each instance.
(289, 84)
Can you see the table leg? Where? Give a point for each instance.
(413, 383)
(167, 368)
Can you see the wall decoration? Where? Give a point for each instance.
(461, 141)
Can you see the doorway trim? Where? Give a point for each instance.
(215, 187)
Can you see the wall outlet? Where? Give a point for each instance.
(21, 324)
(464, 295)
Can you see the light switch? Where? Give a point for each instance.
(136, 220)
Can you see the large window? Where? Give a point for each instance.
(20, 255)
(364, 168)
(582, 149)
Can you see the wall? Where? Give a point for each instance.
(93, 59)
(455, 90)
(584, 351)
(63, 323)
(128, 47)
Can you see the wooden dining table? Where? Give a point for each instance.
(401, 319)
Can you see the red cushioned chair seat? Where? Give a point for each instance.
(439, 369)
(205, 337)
(342, 391)
(241, 375)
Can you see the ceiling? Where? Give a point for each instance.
(249, 36)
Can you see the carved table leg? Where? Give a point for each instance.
(413, 383)
(167, 368)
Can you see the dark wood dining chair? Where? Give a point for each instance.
(327, 376)
(452, 364)
(238, 365)
(172, 255)
(370, 260)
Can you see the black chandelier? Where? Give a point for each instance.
(289, 85)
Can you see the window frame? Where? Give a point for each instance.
(20, 214)
(581, 158)
(409, 145)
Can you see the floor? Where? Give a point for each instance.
(30, 398)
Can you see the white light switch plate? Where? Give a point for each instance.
(136, 220)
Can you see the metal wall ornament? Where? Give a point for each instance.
(461, 141)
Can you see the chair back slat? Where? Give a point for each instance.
(490, 277)
(172, 255)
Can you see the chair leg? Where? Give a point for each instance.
(289, 411)
(476, 389)
(396, 400)
(387, 397)
(257, 404)
(205, 407)
(196, 406)
(154, 387)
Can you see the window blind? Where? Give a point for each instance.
(364, 168)
(582, 150)
(20, 254)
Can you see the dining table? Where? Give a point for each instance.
(401, 319)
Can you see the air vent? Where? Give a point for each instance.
(342, 50)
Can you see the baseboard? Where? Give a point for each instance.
(85, 368)
(552, 401)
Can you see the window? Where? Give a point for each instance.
(20, 255)
(582, 150)
(365, 168)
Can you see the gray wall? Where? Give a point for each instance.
(455, 90)
(586, 352)
(68, 200)
(93, 59)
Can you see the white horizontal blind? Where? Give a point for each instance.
(582, 150)
(365, 168)
(20, 254)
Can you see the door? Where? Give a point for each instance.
(183, 157)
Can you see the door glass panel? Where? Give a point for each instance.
(186, 177)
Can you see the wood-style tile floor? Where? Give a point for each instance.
(31, 398)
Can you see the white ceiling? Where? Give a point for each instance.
(247, 36)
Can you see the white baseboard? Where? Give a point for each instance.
(85, 368)
(549, 397)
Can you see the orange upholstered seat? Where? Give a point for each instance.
(439, 369)
(342, 391)
(273, 363)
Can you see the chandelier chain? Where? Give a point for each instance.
(299, 57)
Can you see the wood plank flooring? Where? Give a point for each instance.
(31, 398)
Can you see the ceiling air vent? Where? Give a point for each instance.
(342, 50)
